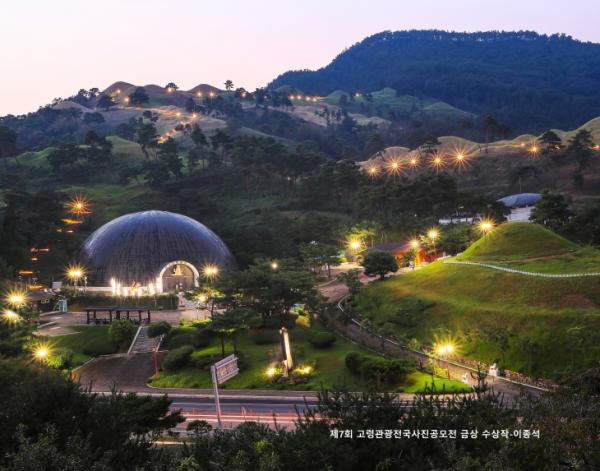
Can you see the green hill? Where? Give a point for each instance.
(539, 326)
(386, 99)
(517, 241)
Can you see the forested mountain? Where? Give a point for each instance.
(529, 81)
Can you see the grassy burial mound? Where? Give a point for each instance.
(539, 326)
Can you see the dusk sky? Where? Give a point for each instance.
(54, 48)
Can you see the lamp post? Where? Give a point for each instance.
(433, 234)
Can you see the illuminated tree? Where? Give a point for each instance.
(379, 263)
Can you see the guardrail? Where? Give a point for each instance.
(522, 272)
(429, 355)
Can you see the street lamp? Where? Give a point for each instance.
(433, 234)
(41, 353)
(274, 265)
(16, 298)
(75, 273)
(11, 317)
(486, 225)
(211, 271)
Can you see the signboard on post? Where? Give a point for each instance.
(220, 372)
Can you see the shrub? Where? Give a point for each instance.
(97, 347)
(159, 328)
(177, 358)
(201, 338)
(377, 369)
(264, 336)
(204, 361)
(354, 362)
(322, 339)
(61, 359)
(180, 340)
(121, 333)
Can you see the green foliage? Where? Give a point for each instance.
(322, 339)
(95, 347)
(121, 333)
(552, 211)
(264, 336)
(159, 328)
(49, 422)
(517, 240)
(177, 358)
(468, 74)
(379, 263)
(377, 369)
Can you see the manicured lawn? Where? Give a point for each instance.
(420, 382)
(88, 342)
(329, 366)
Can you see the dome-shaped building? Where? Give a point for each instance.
(155, 250)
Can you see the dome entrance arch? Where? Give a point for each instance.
(178, 275)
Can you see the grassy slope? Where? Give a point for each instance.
(406, 103)
(330, 367)
(97, 334)
(560, 316)
(517, 241)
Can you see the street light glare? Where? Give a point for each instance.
(274, 265)
(414, 244)
(11, 317)
(211, 271)
(16, 298)
(433, 234)
(486, 225)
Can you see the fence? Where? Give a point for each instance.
(521, 272)
(355, 331)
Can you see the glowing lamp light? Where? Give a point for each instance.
(11, 317)
(126, 99)
(433, 234)
(534, 149)
(486, 225)
(198, 93)
(446, 348)
(41, 353)
(274, 265)
(414, 244)
(355, 245)
(16, 298)
(202, 298)
(271, 371)
(413, 162)
(78, 205)
(211, 271)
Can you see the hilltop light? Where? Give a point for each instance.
(534, 149)
(78, 205)
(486, 225)
(198, 93)
(394, 167)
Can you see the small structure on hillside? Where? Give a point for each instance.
(520, 205)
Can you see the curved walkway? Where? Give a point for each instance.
(522, 272)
